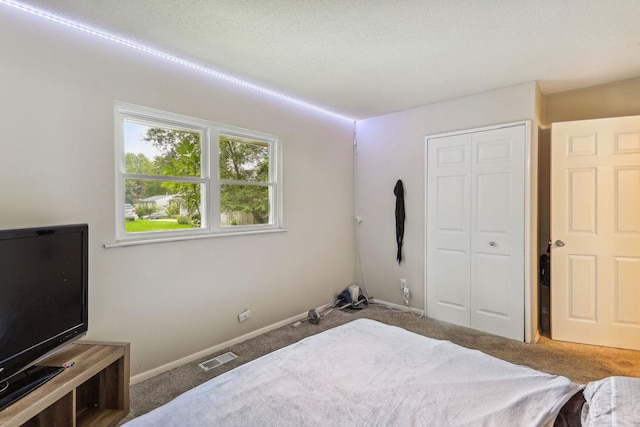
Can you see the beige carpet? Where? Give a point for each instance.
(581, 363)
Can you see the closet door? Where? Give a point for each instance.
(497, 232)
(475, 230)
(448, 228)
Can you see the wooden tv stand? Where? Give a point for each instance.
(92, 392)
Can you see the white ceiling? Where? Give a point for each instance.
(366, 58)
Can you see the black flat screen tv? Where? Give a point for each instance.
(43, 301)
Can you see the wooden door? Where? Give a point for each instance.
(595, 230)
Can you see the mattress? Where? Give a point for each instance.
(367, 373)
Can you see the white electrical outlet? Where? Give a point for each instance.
(244, 315)
(405, 291)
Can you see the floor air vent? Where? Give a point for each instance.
(217, 361)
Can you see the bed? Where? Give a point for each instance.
(366, 373)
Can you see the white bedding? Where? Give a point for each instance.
(366, 373)
(612, 401)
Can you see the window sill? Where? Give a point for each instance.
(147, 241)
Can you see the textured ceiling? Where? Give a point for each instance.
(367, 58)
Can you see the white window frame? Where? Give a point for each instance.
(211, 183)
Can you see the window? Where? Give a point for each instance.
(180, 177)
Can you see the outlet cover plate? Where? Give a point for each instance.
(244, 315)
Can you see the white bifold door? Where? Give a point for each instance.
(595, 229)
(475, 229)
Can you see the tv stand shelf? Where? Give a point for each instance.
(92, 392)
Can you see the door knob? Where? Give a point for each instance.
(492, 244)
(558, 243)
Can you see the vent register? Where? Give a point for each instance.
(217, 361)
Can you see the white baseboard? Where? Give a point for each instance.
(216, 348)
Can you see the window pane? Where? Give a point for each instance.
(161, 205)
(161, 151)
(244, 205)
(243, 159)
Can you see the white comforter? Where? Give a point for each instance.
(366, 373)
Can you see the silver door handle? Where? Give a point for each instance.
(493, 244)
(558, 243)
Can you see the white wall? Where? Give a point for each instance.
(392, 146)
(170, 300)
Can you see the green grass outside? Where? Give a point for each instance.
(141, 225)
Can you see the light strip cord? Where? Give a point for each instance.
(166, 56)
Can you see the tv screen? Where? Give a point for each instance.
(43, 293)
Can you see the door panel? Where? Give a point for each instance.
(448, 229)
(582, 287)
(451, 281)
(497, 232)
(492, 273)
(626, 209)
(582, 204)
(451, 205)
(626, 290)
(493, 195)
(595, 201)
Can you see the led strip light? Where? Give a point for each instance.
(165, 56)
